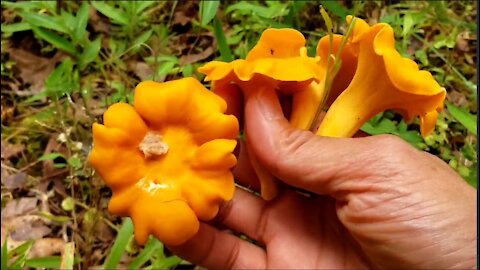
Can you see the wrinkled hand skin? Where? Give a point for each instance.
(377, 203)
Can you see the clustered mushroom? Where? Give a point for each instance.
(168, 158)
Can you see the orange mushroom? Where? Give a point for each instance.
(167, 159)
(383, 80)
(278, 61)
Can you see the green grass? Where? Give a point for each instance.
(105, 48)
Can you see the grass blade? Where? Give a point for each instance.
(15, 27)
(54, 39)
(50, 262)
(208, 10)
(221, 41)
(4, 254)
(21, 253)
(336, 8)
(120, 244)
(146, 254)
(465, 118)
(68, 256)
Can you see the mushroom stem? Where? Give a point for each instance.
(153, 145)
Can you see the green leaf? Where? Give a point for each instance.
(90, 52)
(50, 262)
(47, 22)
(221, 41)
(75, 162)
(166, 263)
(50, 156)
(16, 27)
(118, 247)
(146, 254)
(142, 5)
(69, 20)
(63, 80)
(82, 20)
(274, 10)
(54, 39)
(4, 254)
(465, 118)
(117, 15)
(407, 24)
(142, 39)
(208, 11)
(422, 56)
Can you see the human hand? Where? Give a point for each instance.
(380, 203)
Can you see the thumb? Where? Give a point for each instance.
(330, 166)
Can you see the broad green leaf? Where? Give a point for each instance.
(16, 27)
(117, 15)
(208, 11)
(49, 262)
(44, 21)
(82, 20)
(50, 156)
(221, 41)
(146, 254)
(465, 118)
(121, 241)
(57, 41)
(90, 52)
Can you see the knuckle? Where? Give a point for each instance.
(393, 144)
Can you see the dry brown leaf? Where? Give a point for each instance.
(141, 69)
(25, 205)
(34, 69)
(193, 58)
(46, 247)
(16, 180)
(30, 231)
(53, 146)
(10, 150)
(99, 25)
(181, 18)
(457, 98)
(463, 39)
